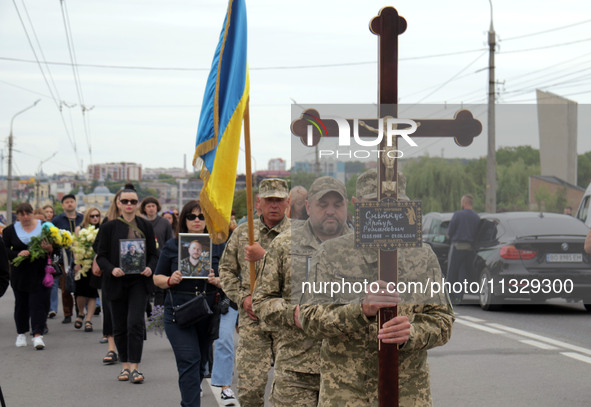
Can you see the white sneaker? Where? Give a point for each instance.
(228, 398)
(21, 340)
(38, 342)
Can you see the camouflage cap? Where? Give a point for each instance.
(367, 185)
(273, 188)
(323, 185)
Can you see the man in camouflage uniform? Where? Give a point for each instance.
(133, 262)
(255, 345)
(348, 324)
(194, 266)
(278, 291)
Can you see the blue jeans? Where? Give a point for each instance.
(190, 346)
(223, 363)
(53, 300)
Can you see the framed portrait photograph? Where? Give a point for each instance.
(194, 255)
(132, 255)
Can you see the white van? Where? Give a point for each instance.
(584, 211)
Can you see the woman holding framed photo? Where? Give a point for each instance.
(127, 289)
(190, 344)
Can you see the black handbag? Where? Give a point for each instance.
(192, 311)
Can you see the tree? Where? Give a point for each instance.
(584, 169)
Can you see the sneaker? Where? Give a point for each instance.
(21, 340)
(38, 343)
(228, 398)
(201, 389)
(52, 314)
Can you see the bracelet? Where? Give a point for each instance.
(168, 282)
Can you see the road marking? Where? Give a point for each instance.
(537, 344)
(472, 319)
(577, 356)
(479, 327)
(541, 338)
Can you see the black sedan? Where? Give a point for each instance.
(528, 255)
(435, 227)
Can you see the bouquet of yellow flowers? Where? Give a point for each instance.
(57, 237)
(82, 248)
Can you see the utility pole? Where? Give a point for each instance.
(491, 158)
(9, 176)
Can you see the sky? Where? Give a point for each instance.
(142, 68)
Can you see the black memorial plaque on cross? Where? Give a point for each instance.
(310, 127)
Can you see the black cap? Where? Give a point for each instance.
(68, 196)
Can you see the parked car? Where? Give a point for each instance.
(435, 227)
(584, 210)
(531, 255)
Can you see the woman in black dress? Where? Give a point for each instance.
(128, 292)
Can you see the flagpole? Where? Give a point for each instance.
(249, 209)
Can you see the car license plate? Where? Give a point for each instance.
(564, 257)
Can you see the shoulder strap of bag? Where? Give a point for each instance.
(131, 225)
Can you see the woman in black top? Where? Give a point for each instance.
(191, 344)
(31, 296)
(128, 292)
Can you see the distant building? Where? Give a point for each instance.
(153, 173)
(122, 171)
(554, 185)
(101, 198)
(557, 123)
(276, 164)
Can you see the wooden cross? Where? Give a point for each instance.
(388, 25)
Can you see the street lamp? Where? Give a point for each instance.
(491, 158)
(9, 176)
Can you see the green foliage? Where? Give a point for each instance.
(513, 185)
(302, 178)
(169, 179)
(239, 204)
(506, 155)
(550, 202)
(439, 183)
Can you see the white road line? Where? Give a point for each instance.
(472, 319)
(577, 356)
(541, 338)
(479, 327)
(537, 344)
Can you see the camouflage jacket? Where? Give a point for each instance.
(233, 269)
(278, 291)
(349, 353)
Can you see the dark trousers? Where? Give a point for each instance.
(107, 317)
(458, 270)
(190, 346)
(128, 323)
(31, 306)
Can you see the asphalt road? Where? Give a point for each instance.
(521, 356)
(69, 372)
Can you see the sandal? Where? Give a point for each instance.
(137, 377)
(124, 375)
(88, 326)
(79, 320)
(110, 358)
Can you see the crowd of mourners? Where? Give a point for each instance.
(322, 349)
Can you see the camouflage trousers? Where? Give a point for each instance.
(254, 358)
(295, 389)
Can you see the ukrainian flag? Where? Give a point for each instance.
(220, 122)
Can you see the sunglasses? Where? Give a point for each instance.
(129, 201)
(192, 216)
(95, 216)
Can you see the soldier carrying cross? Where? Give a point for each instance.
(351, 325)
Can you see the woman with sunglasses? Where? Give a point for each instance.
(191, 344)
(84, 293)
(128, 292)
